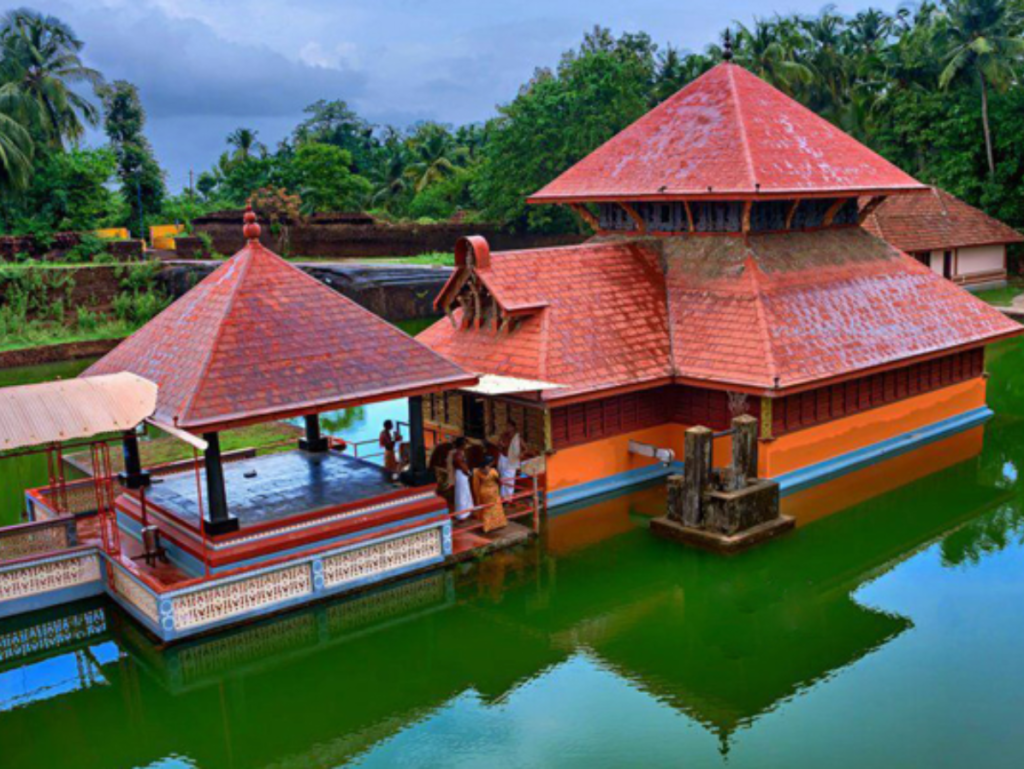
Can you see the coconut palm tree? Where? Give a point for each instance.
(15, 155)
(767, 50)
(982, 44)
(245, 143)
(39, 69)
(434, 156)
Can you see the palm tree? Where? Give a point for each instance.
(982, 43)
(15, 155)
(39, 66)
(245, 143)
(435, 156)
(767, 50)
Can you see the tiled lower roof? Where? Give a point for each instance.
(936, 221)
(762, 313)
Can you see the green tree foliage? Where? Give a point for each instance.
(982, 45)
(558, 118)
(322, 176)
(334, 123)
(142, 181)
(16, 151)
(246, 144)
(39, 69)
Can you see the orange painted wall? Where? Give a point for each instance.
(816, 444)
(822, 500)
(609, 456)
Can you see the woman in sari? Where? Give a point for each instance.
(487, 490)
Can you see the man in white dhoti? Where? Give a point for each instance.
(459, 473)
(509, 459)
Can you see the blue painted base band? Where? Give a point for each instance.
(39, 601)
(791, 482)
(806, 477)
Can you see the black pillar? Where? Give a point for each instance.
(133, 476)
(313, 440)
(218, 519)
(418, 474)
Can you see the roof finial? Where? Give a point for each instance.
(727, 46)
(251, 230)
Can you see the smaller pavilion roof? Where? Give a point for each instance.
(65, 410)
(728, 134)
(935, 222)
(259, 339)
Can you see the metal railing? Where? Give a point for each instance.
(524, 501)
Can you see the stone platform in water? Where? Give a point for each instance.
(727, 544)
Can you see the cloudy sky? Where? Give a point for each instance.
(205, 67)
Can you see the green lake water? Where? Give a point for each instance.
(884, 635)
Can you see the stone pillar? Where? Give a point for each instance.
(744, 451)
(313, 441)
(676, 497)
(418, 474)
(133, 476)
(696, 474)
(218, 520)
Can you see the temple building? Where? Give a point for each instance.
(956, 240)
(729, 273)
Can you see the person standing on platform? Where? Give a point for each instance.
(389, 440)
(488, 492)
(460, 473)
(509, 459)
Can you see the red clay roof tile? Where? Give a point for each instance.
(936, 222)
(259, 338)
(766, 312)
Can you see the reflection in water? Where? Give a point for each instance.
(598, 645)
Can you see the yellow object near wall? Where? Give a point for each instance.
(112, 233)
(162, 235)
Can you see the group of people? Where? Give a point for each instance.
(481, 489)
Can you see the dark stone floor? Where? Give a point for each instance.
(284, 485)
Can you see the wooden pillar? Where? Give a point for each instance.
(219, 520)
(313, 441)
(696, 474)
(133, 476)
(744, 450)
(418, 474)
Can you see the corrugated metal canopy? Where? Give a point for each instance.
(51, 412)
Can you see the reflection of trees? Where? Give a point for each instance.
(983, 536)
(337, 422)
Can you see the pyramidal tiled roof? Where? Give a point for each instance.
(258, 339)
(727, 134)
(768, 313)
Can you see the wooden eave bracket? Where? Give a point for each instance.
(582, 212)
(869, 208)
(833, 209)
(631, 212)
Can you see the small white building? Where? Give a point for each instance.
(956, 240)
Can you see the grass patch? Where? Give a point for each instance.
(161, 448)
(1003, 297)
(38, 334)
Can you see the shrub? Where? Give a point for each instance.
(87, 320)
(88, 249)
